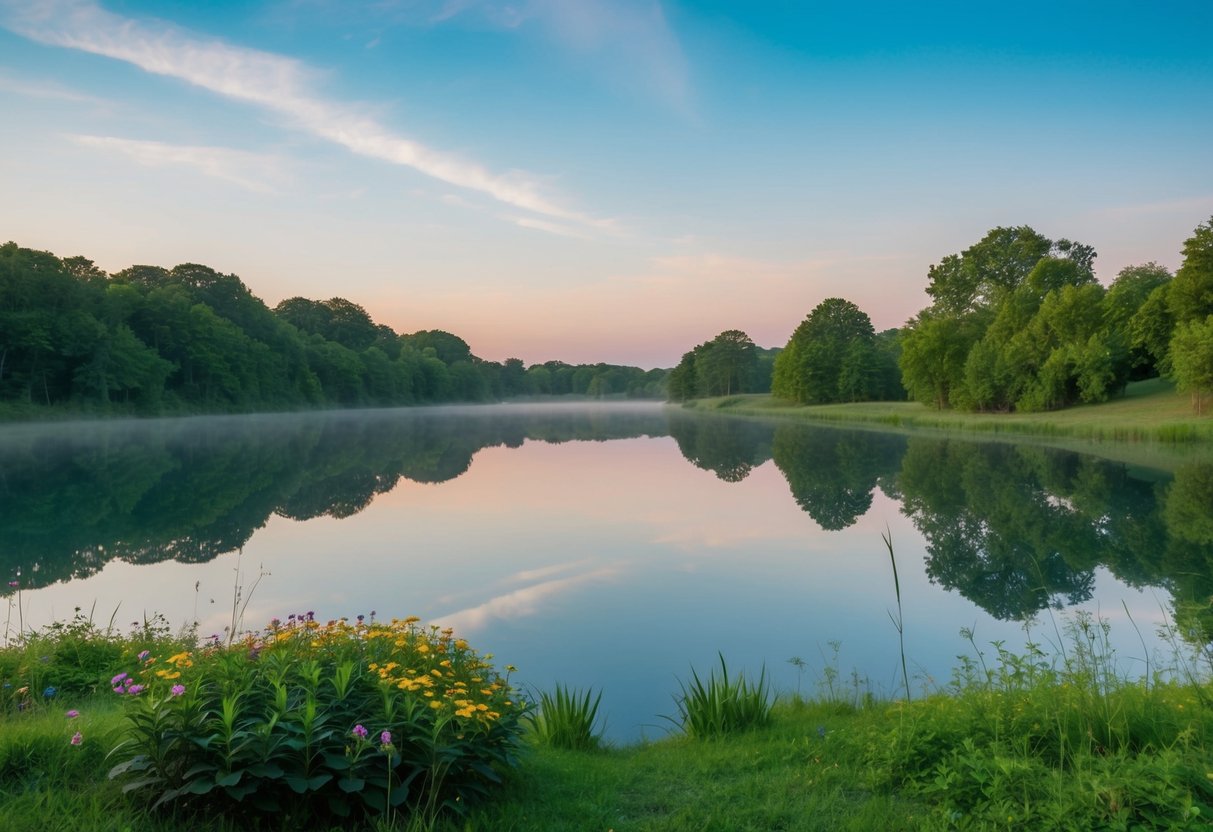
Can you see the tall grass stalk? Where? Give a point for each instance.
(898, 621)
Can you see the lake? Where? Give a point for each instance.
(614, 546)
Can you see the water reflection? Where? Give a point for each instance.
(1014, 529)
(73, 498)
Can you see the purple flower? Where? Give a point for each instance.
(360, 617)
(72, 714)
(119, 679)
(143, 656)
(14, 583)
(385, 738)
(77, 738)
(360, 732)
(177, 690)
(135, 690)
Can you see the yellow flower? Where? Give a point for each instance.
(435, 704)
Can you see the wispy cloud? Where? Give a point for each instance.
(627, 40)
(548, 227)
(47, 90)
(519, 603)
(248, 170)
(273, 82)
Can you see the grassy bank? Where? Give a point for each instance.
(1054, 738)
(1149, 411)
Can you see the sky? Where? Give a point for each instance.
(600, 180)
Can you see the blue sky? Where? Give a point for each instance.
(592, 180)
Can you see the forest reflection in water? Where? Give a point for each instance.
(1014, 528)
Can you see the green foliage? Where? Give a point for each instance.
(1192, 360)
(566, 718)
(728, 364)
(934, 349)
(319, 721)
(1058, 741)
(718, 706)
(1018, 322)
(1191, 296)
(833, 356)
(149, 340)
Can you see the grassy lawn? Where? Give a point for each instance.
(1150, 411)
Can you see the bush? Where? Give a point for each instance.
(311, 719)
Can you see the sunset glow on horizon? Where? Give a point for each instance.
(588, 180)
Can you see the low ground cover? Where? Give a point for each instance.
(1055, 737)
(1148, 411)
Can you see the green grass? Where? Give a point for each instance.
(567, 718)
(718, 706)
(1149, 411)
(1151, 427)
(1051, 739)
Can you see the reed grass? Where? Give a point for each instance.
(719, 705)
(567, 718)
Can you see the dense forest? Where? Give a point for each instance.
(150, 340)
(1017, 322)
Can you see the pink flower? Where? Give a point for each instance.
(13, 583)
(385, 738)
(72, 714)
(77, 738)
(143, 656)
(177, 690)
(135, 690)
(360, 732)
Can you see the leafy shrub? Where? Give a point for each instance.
(720, 706)
(566, 718)
(71, 659)
(311, 719)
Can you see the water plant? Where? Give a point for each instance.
(566, 718)
(721, 705)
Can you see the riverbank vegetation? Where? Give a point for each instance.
(1018, 324)
(100, 727)
(1149, 411)
(146, 340)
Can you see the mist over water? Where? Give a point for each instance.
(615, 545)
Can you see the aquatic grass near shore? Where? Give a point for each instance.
(718, 706)
(567, 718)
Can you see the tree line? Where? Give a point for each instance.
(1017, 322)
(152, 340)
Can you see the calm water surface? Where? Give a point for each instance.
(611, 546)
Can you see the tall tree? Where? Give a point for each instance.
(809, 368)
(1191, 296)
(1192, 360)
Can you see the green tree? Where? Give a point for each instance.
(725, 364)
(1192, 360)
(1191, 296)
(1123, 304)
(934, 349)
(809, 367)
